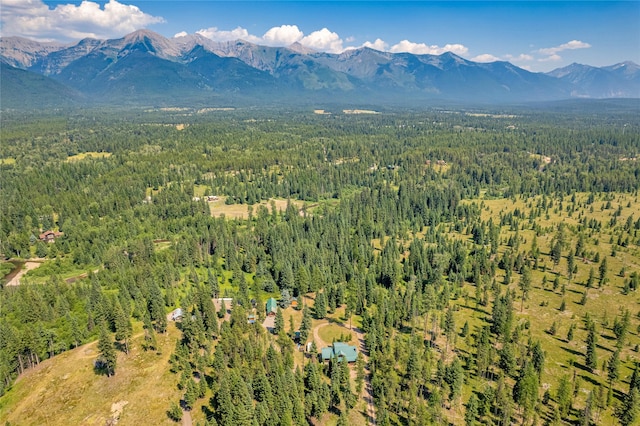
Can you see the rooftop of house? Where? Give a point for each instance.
(272, 305)
(340, 350)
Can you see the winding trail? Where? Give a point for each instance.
(186, 418)
(368, 390)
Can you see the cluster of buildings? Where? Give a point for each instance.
(338, 350)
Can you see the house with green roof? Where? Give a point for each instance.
(340, 350)
(272, 306)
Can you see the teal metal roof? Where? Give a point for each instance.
(340, 350)
(272, 305)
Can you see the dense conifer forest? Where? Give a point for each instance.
(484, 263)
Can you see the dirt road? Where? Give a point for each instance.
(368, 391)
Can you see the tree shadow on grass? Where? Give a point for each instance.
(582, 367)
(208, 413)
(477, 309)
(590, 379)
(572, 351)
(604, 348)
(100, 368)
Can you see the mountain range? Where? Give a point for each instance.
(145, 68)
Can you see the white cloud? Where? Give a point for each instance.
(379, 44)
(551, 58)
(573, 44)
(523, 57)
(485, 57)
(181, 34)
(283, 35)
(237, 34)
(424, 49)
(34, 19)
(323, 40)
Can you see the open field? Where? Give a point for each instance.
(241, 211)
(65, 390)
(541, 309)
(63, 268)
(85, 155)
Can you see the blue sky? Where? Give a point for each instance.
(536, 35)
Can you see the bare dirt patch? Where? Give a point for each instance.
(28, 265)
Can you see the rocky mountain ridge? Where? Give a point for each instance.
(145, 67)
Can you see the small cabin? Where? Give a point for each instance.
(50, 236)
(176, 314)
(272, 307)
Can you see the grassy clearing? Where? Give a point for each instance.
(8, 161)
(61, 267)
(199, 190)
(335, 332)
(241, 211)
(85, 155)
(542, 307)
(66, 390)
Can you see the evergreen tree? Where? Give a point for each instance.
(591, 279)
(223, 309)
(525, 391)
(320, 306)
(586, 414)
(124, 328)
(175, 412)
(449, 326)
(525, 284)
(571, 264)
(305, 326)
(106, 350)
(471, 412)
(212, 281)
(191, 394)
(602, 269)
(556, 252)
(360, 373)
(279, 322)
(620, 327)
(634, 381)
(454, 377)
(563, 395)
(149, 333)
(613, 367)
(629, 412)
(572, 328)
